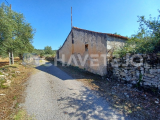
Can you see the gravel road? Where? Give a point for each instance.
(51, 94)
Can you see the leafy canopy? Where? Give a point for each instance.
(15, 33)
(147, 40)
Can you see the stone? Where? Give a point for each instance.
(8, 83)
(142, 72)
(137, 73)
(2, 76)
(123, 74)
(126, 95)
(149, 75)
(129, 85)
(126, 71)
(157, 100)
(134, 82)
(18, 72)
(153, 71)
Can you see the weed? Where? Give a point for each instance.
(1, 84)
(22, 115)
(140, 80)
(1, 73)
(12, 71)
(16, 106)
(13, 75)
(15, 97)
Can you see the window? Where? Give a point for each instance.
(86, 47)
(72, 41)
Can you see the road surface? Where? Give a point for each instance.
(51, 94)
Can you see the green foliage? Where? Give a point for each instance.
(15, 33)
(13, 75)
(145, 41)
(1, 73)
(2, 81)
(140, 80)
(38, 51)
(48, 50)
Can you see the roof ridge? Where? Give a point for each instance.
(110, 34)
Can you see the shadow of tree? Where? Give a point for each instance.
(88, 105)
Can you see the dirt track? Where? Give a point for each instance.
(51, 94)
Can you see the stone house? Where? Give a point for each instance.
(94, 44)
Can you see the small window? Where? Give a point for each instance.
(86, 47)
(72, 41)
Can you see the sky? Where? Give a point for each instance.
(52, 18)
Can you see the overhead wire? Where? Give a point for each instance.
(7, 2)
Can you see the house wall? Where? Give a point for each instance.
(66, 49)
(114, 43)
(97, 45)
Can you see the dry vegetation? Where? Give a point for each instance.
(11, 96)
(5, 61)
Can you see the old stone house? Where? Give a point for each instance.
(94, 44)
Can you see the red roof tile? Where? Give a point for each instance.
(113, 35)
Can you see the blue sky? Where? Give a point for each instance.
(52, 18)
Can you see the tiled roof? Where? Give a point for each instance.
(113, 35)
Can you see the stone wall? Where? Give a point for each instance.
(142, 69)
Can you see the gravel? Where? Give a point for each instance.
(51, 94)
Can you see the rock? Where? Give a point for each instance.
(149, 75)
(134, 82)
(126, 95)
(153, 71)
(2, 76)
(129, 85)
(157, 100)
(2, 94)
(8, 83)
(6, 74)
(113, 93)
(123, 74)
(18, 72)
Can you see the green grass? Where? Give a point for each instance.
(13, 75)
(1, 73)
(2, 81)
(15, 97)
(22, 115)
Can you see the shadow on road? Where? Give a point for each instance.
(53, 70)
(87, 105)
(84, 105)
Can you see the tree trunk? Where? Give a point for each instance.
(12, 58)
(9, 58)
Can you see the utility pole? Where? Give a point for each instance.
(71, 17)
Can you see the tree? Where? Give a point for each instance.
(147, 40)
(15, 33)
(48, 50)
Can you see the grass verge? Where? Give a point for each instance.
(12, 96)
